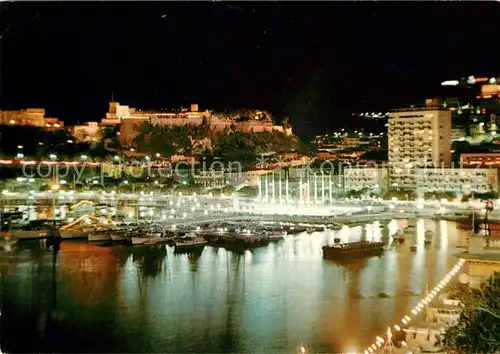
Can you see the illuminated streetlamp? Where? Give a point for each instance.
(54, 188)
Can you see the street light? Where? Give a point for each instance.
(54, 188)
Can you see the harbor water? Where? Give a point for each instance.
(273, 299)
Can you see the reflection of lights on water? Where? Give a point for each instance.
(393, 227)
(248, 257)
(443, 234)
(420, 232)
(351, 350)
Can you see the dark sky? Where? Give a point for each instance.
(314, 62)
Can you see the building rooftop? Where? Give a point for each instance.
(420, 109)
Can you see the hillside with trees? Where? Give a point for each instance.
(227, 143)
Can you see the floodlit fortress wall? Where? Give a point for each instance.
(130, 119)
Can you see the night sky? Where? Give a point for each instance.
(313, 62)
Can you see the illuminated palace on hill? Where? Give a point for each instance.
(245, 121)
(29, 117)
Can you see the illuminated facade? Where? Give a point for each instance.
(34, 117)
(370, 178)
(417, 137)
(458, 180)
(210, 178)
(30, 116)
(118, 113)
(90, 132)
(483, 159)
(129, 119)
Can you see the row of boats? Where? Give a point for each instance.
(146, 237)
(247, 233)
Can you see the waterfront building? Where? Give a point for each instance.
(369, 178)
(210, 179)
(417, 137)
(420, 136)
(457, 180)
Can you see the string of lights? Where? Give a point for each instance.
(379, 341)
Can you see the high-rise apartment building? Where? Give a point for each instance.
(418, 137)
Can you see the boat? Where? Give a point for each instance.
(118, 237)
(409, 227)
(361, 248)
(74, 234)
(399, 236)
(276, 236)
(296, 229)
(99, 237)
(191, 240)
(138, 240)
(147, 239)
(336, 227)
(413, 248)
(36, 229)
(428, 237)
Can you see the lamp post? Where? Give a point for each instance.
(54, 188)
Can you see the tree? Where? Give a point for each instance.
(249, 191)
(227, 189)
(478, 328)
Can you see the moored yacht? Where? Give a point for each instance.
(119, 236)
(399, 236)
(336, 226)
(36, 229)
(276, 236)
(428, 237)
(361, 248)
(76, 234)
(99, 236)
(189, 241)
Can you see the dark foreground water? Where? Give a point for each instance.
(274, 299)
